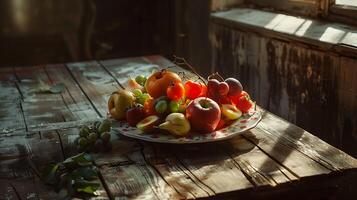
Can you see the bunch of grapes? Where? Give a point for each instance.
(95, 137)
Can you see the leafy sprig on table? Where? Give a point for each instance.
(75, 176)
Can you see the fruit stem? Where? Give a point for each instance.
(216, 74)
(219, 76)
(182, 61)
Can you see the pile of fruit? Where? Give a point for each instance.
(95, 137)
(162, 101)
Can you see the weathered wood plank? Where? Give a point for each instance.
(302, 141)
(32, 188)
(95, 82)
(122, 69)
(11, 115)
(7, 191)
(296, 162)
(126, 182)
(173, 172)
(311, 88)
(347, 112)
(40, 108)
(130, 159)
(73, 97)
(260, 168)
(122, 147)
(217, 171)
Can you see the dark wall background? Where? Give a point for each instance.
(36, 32)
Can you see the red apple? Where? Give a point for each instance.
(134, 115)
(204, 114)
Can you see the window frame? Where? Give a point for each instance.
(322, 9)
(342, 13)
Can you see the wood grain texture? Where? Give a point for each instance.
(311, 88)
(261, 169)
(216, 171)
(172, 171)
(95, 82)
(74, 98)
(40, 107)
(275, 159)
(11, 116)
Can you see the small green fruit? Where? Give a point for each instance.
(83, 142)
(92, 137)
(104, 126)
(136, 92)
(96, 126)
(174, 106)
(142, 98)
(84, 131)
(161, 106)
(141, 79)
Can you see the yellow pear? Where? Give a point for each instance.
(124, 100)
(177, 124)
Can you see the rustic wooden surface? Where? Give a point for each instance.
(274, 160)
(293, 68)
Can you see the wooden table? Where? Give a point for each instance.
(275, 159)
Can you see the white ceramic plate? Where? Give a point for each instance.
(246, 122)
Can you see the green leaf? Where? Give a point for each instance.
(57, 88)
(87, 173)
(43, 87)
(86, 187)
(81, 159)
(49, 174)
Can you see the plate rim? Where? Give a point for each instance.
(192, 141)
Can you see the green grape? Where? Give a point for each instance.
(136, 92)
(84, 131)
(82, 142)
(142, 98)
(161, 106)
(105, 137)
(174, 106)
(95, 126)
(104, 126)
(141, 79)
(92, 137)
(162, 98)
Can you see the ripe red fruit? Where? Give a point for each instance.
(235, 87)
(212, 89)
(193, 89)
(244, 103)
(235, 99)
(204, 114)
(135, 115)
(175, 91)
(223, 88)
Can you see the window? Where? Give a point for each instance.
(347, 2)
(343, 10)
